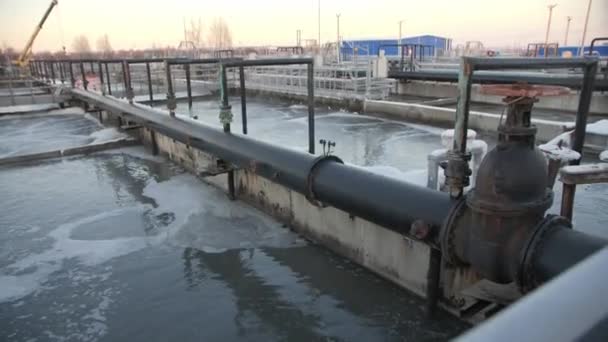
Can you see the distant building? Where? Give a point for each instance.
(435, 45)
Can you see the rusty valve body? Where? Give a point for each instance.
(491, 227)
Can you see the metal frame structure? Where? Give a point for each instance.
(309, 62)
(545, 246)
(457, 163)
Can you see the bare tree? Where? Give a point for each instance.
(219, 34)
(81, 45)
(194, 34)
(7, 53)
(103, 46)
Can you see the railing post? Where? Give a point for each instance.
(62, 72)
(225, 108)
(578, 142)
(226, 119)
(243, 98)
(109, 79)
(101, 81)
(46, 71)
(188, 87)
(149, 77)
(72, 79)
(311, 109)
(171, 105)
(84, 76)
(52, 66)
(126, 73)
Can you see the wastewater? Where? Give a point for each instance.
(124, 246)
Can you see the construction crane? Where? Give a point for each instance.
(27, 50)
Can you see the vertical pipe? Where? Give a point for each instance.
(225, 119)
(129, 88)
(456, 172)
(52, 66)
(101, 80)
(225, 112)
(124, 78)
(84, 77)
(567, 209)
(46, 71)
(188, 87)
(149, 76)
(62, 72)
(311, 109)
(72, 79)
(243, 98)
(170, 95)
(578, 141)
(109, 80)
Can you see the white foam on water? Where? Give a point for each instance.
(298, 106)
(604, 156)
(138, 152)
(20, 282)
(68, 110)
(107, 135)
(29, 274)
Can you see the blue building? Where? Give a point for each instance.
(365, 47)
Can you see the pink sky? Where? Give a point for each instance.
(141, 23)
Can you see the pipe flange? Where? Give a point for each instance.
(447, 233)
(310, 194)
(526, 280)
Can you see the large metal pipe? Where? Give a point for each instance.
(505, 77)
(561, 248)
(386, 201)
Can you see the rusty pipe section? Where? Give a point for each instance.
(386, 201)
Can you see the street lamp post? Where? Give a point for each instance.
(582, 48)
(551, 7)
(319, 23)
(399, 42)
(567, 30)
(338, 40)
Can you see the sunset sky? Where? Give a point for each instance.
(142, 23)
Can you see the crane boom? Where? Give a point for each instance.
(27, 50)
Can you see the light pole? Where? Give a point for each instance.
(551, 7)
(338, 40)
(399, 42)
(582, 48)
(319, 23)
(567, 30)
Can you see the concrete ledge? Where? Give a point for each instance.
(440, 116)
